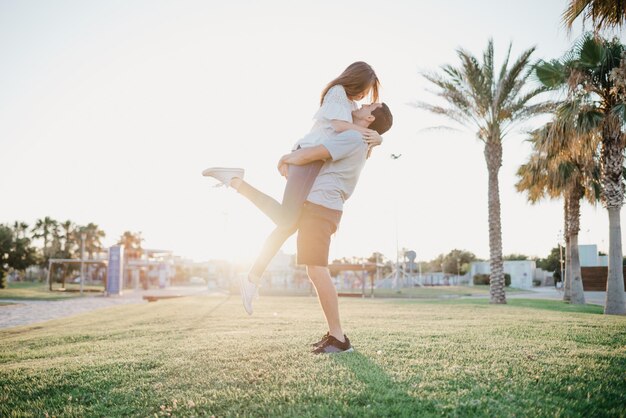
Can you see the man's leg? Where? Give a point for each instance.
(327, 295)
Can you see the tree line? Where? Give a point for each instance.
(578, 154)
(57, 240)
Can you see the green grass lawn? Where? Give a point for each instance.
(426, 292)
(39, 291)
(204, 356)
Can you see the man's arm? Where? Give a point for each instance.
(305, 155)
(302, 156)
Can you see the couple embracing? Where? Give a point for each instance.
(322, 172)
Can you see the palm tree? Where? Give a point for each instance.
(592, 73)
(489, 103)
(45, 229)
(93, 238)
(132, 244)
(604, 14)
(20, 229)
(68, 238)
(566, 168)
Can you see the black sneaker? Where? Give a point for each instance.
(320, 342)
(333, 345)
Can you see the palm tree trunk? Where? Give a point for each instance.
(612, 161)
(568, 265)
(615, 303)
(577, 295)
(493, 156)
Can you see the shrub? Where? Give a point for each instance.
(3, 280)
(484, 279)
(481, 279)
(536, 282)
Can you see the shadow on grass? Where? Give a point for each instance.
(380, 391)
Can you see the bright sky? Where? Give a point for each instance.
(110, 110)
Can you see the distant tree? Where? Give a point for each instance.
(377, 257)
(132, 244)
(450, 263)
(45, 229)
(68, 238)
(552, 262)
(16, 252)
(434, 265)
(94, 236)
(20, 229)
(457, 261)
(515, 257)
(6, 236)
(68, 245)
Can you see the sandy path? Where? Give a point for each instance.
(26, 312)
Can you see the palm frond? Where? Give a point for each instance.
(475, 81)
(488, 68)
(619, 110)
(551, 74)
(602, 13)
(590, 52)
(507, 84)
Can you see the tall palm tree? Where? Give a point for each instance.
(566, 168)
(47, 230)
(592, 75)
(490, 103)
(604, 14)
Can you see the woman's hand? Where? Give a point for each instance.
(372, 138)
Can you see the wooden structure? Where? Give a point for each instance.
(360, 270)
(594, 278)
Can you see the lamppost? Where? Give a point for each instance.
(396, 285)
(83, 237)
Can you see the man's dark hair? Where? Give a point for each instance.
(383, 121)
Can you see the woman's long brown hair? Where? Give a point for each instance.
(355, 80)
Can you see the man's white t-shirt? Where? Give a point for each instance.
(339, 175)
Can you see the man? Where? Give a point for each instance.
(344, 157)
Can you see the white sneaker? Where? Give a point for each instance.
(223, 174)
(248, 291)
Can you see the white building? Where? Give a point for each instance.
(589, 256)
(522, 272)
